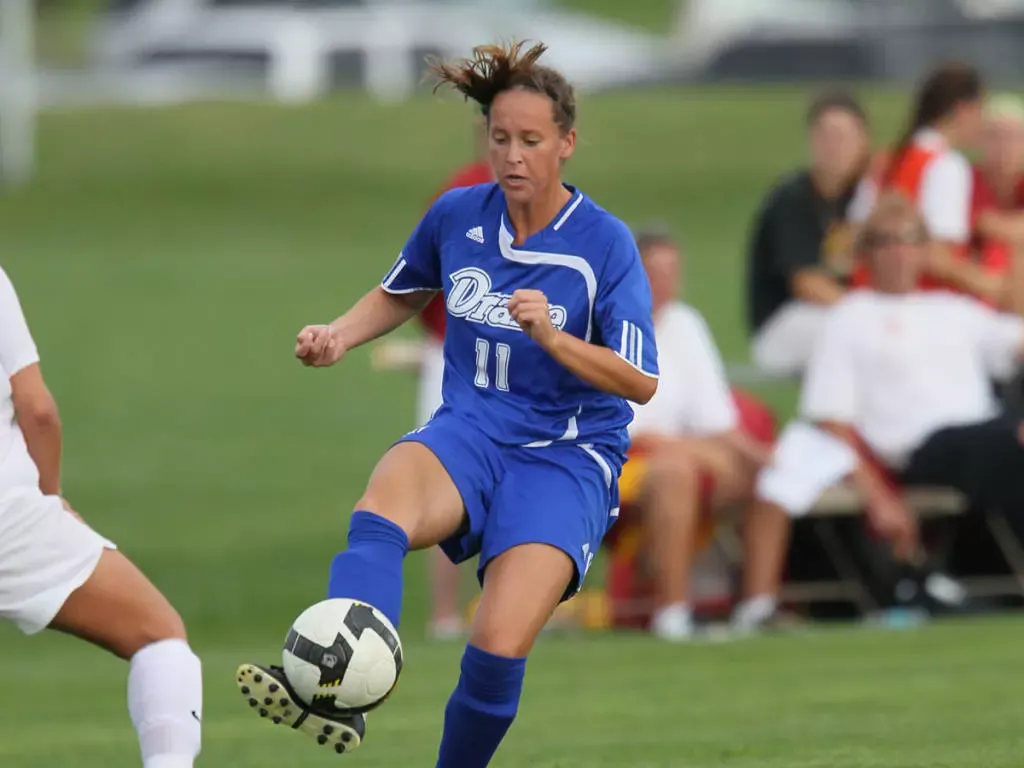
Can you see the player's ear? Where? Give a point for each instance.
(568, 145)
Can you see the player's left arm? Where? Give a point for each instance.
(34, 407)
(622, 313)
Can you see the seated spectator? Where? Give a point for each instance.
(901, 379)
(927, 166)
(799, 257)
(689, 456)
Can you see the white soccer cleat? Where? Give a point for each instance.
(268, 692)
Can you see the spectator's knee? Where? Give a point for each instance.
(672, 470)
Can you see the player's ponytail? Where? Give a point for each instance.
(946, 87)
(493, 69)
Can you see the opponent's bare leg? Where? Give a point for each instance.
(118, 609)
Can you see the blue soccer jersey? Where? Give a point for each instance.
(586, 263)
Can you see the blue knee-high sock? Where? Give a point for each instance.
(370, 569)
(481, 709)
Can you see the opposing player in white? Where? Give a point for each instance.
(56, 572)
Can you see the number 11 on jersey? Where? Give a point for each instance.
(502, 352)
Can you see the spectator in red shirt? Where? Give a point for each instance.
(427, 358)
(997, 206)
(985, 265)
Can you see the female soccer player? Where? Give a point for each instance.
(549, 336)
(56, 572)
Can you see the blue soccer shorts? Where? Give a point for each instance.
(562, 495)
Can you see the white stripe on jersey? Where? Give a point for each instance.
(631, 347)
(575, 263)
(597, 457)
(395, 272)
(568, 213)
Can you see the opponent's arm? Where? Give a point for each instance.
(36, 412)
(34, 407)
(599, 366)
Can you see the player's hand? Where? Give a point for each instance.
(530, 309)
(318, 346)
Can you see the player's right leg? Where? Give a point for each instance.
(56, 572)
(414, 500)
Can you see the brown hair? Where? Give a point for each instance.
(835, 98)
(893, 210)
(652, 236)
(946, 87)
(494, 69)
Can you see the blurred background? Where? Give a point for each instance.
(189, 182)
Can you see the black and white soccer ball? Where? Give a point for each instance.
(342, 656)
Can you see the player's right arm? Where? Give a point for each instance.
(405, 290)
(34, 406)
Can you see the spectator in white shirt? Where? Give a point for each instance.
(690, 453)
(907, 375)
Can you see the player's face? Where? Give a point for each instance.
(838, 144)
(525, 145)
(1002, 146)
(662, 264)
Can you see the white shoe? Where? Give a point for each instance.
(673, 623)
(446, 629)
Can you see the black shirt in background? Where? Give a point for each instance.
(796, 228)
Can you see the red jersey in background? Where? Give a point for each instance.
(433, 317)
(992, 255)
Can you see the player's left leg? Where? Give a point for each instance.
(522, 588)
(546, 523)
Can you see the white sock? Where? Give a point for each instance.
(673, 622)
(165, 700)
(753, 611)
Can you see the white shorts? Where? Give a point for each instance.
(46, 554)
(783, 345)
(428, 398)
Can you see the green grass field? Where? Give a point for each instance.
(166, 260)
